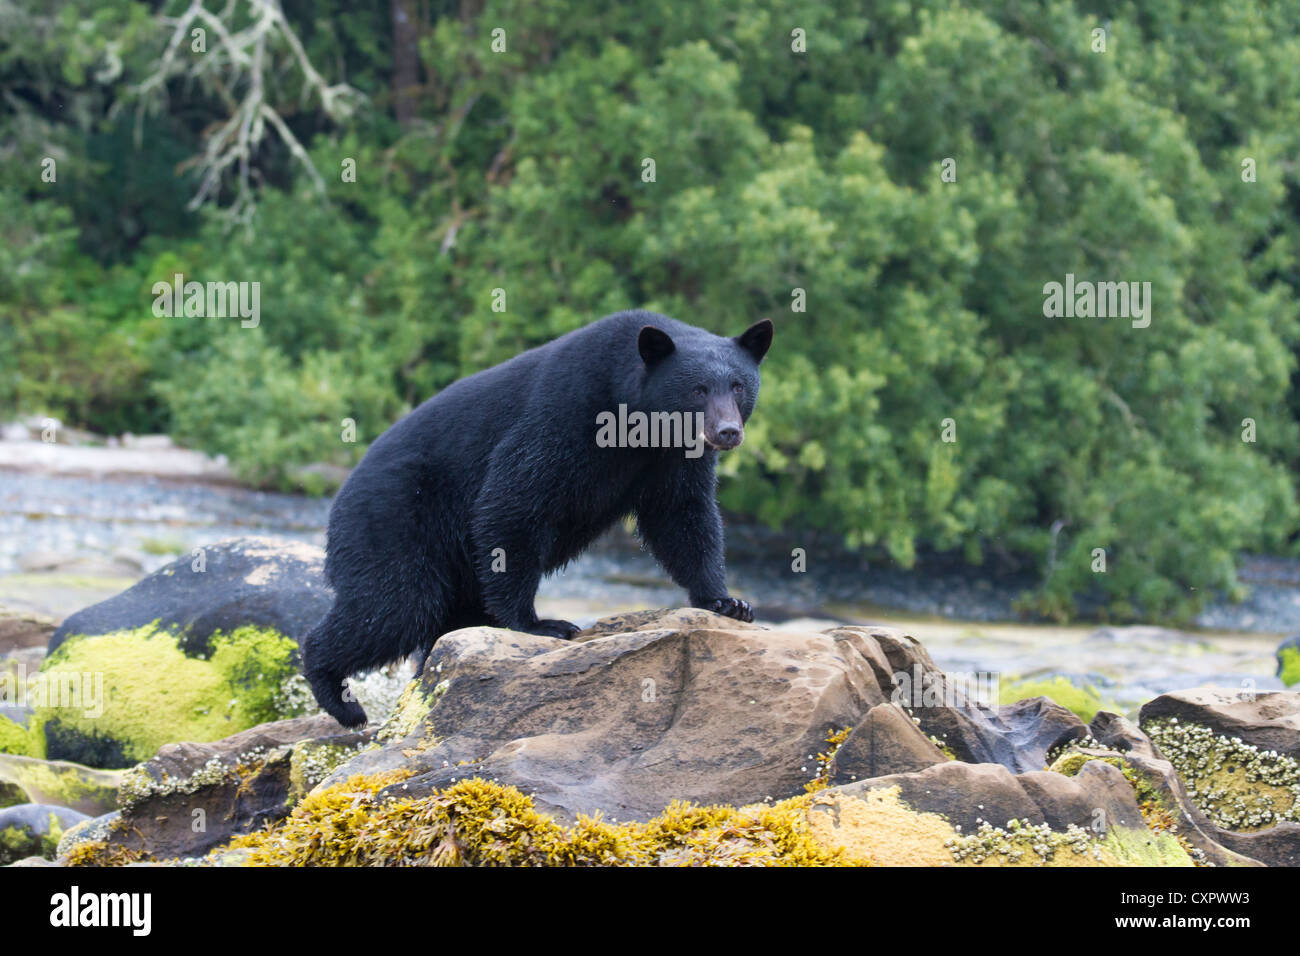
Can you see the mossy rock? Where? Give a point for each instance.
(1084, 701)
(20, 740)
(61, 783)
(153, 693)
(265, 582)
(33, 829)
(1288, 662)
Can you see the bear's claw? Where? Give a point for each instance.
(564, 630)
(732, 607)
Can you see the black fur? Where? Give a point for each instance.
(508, 458)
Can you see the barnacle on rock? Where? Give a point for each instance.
(138, 784)
(1237, 785)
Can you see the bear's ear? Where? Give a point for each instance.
(654, 344)
(756, 339)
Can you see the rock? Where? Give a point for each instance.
(33, 829)
(65, 784)
(11, 794)
(270, 583)
(1120, 734)
(111, 700)
(1268, 720)
(960, 812)
(688, 705)
(885, 742)
(1018, 736)
(645, 710)
(21, 629)
(969, 794)
(191, 797)
(1235, 759)
(650, 707)
(1167, 801)
(91, 830)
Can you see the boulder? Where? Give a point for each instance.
(961, 716)
(982, 813)
(650, 707)
(1236, 761)
(33, 829)
(1268, 720)
(111, 700)
(83, 789)
(886, 741)
(270, 583)
(687, 705)
(192, 796)
(21, 629)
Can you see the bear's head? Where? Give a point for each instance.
(708, 376)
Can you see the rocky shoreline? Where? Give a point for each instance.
(658, 737)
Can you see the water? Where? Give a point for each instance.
(67, 541)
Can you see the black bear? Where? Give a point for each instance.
(456, 512)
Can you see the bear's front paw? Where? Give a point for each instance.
(732, 607)
(564, 630)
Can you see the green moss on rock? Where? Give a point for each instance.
(20, 740)
(153, 693)
(17, 843)
(1289, 658)
(1084, 702)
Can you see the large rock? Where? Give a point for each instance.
(982, 813)
(648, 708)
(33, 829)
(268, 582)
(63, 783)
(1268, 720)
(111, 700)
(690, 705)
(1170, 805)
(192, 796)
(960, 715)
(21, 629)
(1236, 757)
(886, 741)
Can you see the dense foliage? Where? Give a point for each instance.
(774, 171)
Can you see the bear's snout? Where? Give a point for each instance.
(726, 436)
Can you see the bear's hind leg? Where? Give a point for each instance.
(355, 637)
(328, 657)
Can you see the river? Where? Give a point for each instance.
(67, 540)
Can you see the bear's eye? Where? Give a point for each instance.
(700, 391)
(738, 388)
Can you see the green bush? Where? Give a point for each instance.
(1110, 458)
